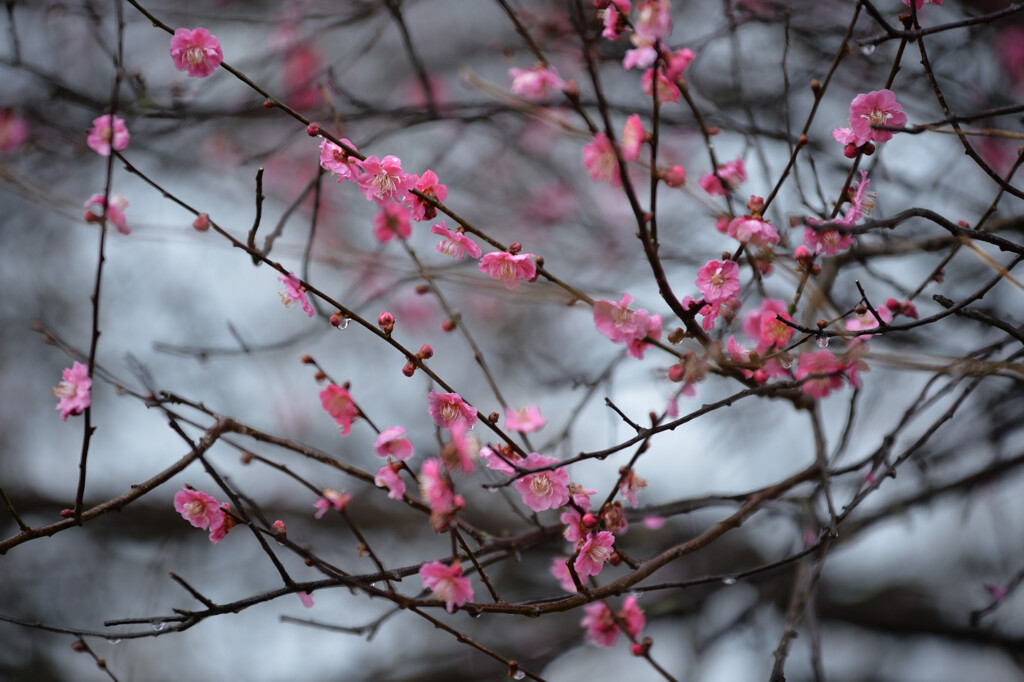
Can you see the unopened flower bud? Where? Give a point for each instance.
(307, 360)
(78, 645)
(313, 129)
(802, 254)
(279, 527)
(589, 520)
(246, 457)
(676, 373)
(67, 513)
(850, 151)
(674, 176)
(268, 104)
(448, 325)
(964, 224)
(202, 222)
(815, 86)
(336, 319)
(714, 130)
(868, 149)
(493, 417)
(422, 289)
(760, 376)
(426, 352)
(815, 269)
(514, 248)
(755, 205)
(386, 322)
(409, 369)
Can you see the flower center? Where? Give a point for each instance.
(385, 184)
(540, 485)
(878, 117)
(195, 509)
(64, 390)
(195, 55)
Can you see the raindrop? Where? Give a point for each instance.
(822, 341)
(519, 675)
(114, 640)
(636, 595)
(867, 50)
(728, 581)
(157, 627)
(344, 323)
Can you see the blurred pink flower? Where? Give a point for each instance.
(536, 83)
(306, 598)
(447, 409)
(525, 420)
(824, 363)
(73, 391)
(632, 138)
(763, 325)
(392, 442)
(447, 583)
(114, 211)
(733, 173)
(338, 403)
(631, 486)
(602, 628)
(391, 220)
(560, 571)
(196, 51)
(865, 320)
(599, 160)
(103, 136)
(756, 231)
(13, 131)
(388, 478)
(436, 490)
(294, 291)
(331, 499)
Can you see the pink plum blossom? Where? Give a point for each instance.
(653, 21)
(748, 229)
(454, 244)
(616, 321)
(536, 83)
(719, 281)
(763, 325)
(219, 531)
(13, 131)
(103, 136)
(865, 320)
(674, 176)
(114, 211)
(595, 551)
(631, 487)
(73, 390)
(878, 108)
(632, 138)
(383, 180)
(460, 452)
(640, 57)
(201, 510)
(599, 160)
(635, 347)
(426, 184)
(612, 21)
(508, 268)
(447, 583)
(668, 92)
(301, 65)
(560, 570)
(654, 522)
(525, 420)
(306, 598)
(732, 173)
(338, 403)
(677, 62)
(823, 363)
(544, 489)
(294, 292)
(336, 160)
(196, 51)
(500, 462)
(436, 490)
(580, 496)
(862, 202)
(574, 528)
(391, 220)
(447, 409)
(392, 443)
(388, 478)
(331, 499)
(602, 628)
(826, 241)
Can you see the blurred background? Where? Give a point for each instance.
(910, 565)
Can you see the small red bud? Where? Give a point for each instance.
(868, 149)
(815, 269)
(850, 151)
(589, 520)
(386, 322)
(336, 319)
(78, 645)
(319, 376)
(67, 513)
(409, 369)
(101, 663)
(514, 248)
(714, 130)
(313, 129)
(202, 222)
(822, 324)
(279, 527)
(267, 104)
(493, 417)
(308, 360)
(676, 373)
(815, 85)
(426, 352)
(964, 224)
(246, 458)
(422, 289)
(448, 325)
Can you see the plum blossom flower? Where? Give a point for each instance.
(306, 598)
(719, 281)
(826, 241)
(338, 403)
(823, 363)
(632, 138)
(455, 244)
(447, 583)
(595, 551)
(544, 489)
(204, 512)
(599, 160)
(500, 462)
(460, 452)
(580, 496)
(862, 202)
(753, 230)
(383, 179)
(536, 83)
(388, 478)
(447, 409)
(876, 108)
(560, 570)
(674, 176)
(525, 420)
(732, 173)
(653, 21)
(294, 291)
(436, 490)
(668, 92)
(103, 136)
(574, 528)
(865, 320)
(97, 209)
(73, 391)
(508, 268)
(677, 62)
(616, 321)
(602, 628)
(613, 19)
(631, 486)
(426, 184)
(196, 51)
(763, 325)
(13, 131)
(391, 220)
(392, 443)
(331, 499)
(336, 160)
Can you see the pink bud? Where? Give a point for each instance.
(850, 151)
(336, 319)
(755, 204)
(893, 305)
(514, 248)
(589, 520)
(676, 373)
(279, 527)
(313, 129)
(409, 369)
(760, 376)
(722, 224)
(674, 176)
(67, 513)
(386, 322)
(426, 352)
(802, 253)
(202, 222)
